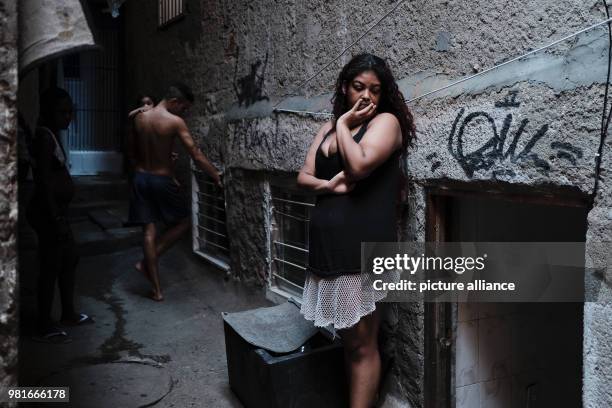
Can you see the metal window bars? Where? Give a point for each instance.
(289, 239)
(92, 80)
(210, 238)
(169, 11)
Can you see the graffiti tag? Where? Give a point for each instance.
(503, 144)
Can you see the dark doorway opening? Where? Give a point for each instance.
(93, 80)
(504, 354)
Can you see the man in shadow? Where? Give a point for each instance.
(155, 195)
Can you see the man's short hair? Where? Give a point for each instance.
(179, 90)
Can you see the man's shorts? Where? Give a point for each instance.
(156, 198)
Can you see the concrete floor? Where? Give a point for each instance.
(173, 351)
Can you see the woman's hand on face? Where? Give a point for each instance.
(340, 184)
(355, 116)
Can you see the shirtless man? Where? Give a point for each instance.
(155, 194)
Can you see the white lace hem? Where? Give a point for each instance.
(338, 302)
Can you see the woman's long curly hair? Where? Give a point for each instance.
(391, 99)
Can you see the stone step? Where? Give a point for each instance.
(97, 231)
(107, 218)
(84, 208)
(90, 238)
(100, 188)
(112, 240)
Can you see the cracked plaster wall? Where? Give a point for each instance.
(533, 124)
(8, 196)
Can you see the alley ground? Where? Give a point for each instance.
(138, 352)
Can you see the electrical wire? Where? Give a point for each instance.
(605, 121)
(567, 37)
(342, 53)
(607, 21)
(323, 113)
(606, 114)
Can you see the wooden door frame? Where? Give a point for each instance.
(438, 320)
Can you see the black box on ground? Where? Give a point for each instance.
(312, 376)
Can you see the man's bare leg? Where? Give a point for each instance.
(165, 242)
(172, 235)
(150, 260)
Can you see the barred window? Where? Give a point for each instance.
(170, 11)
(289, 239)
(210, 239)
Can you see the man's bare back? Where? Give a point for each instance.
(155, 197)
(154, 133)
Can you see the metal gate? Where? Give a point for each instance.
(92, 79)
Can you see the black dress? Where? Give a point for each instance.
(339, 223)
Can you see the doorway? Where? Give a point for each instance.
(482, 355)
(94, 138)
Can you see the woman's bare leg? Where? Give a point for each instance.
(363, 360)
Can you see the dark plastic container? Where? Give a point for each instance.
(311, 377)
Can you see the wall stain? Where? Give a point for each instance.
(509, 101)
(249, 88)
(113, 347)
(232, 49)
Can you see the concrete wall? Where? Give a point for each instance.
(598, 315)
(8, 195)
(532, 125)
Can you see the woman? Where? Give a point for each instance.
(47, 213)
(145, 103)
(353, 165)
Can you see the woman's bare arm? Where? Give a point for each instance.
(381, 139)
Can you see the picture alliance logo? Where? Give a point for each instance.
(411, 264)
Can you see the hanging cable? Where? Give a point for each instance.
(324, 113)
(605, 107)
(512, 60)
(607, 21)
(605, 121)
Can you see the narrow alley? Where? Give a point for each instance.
(138, 352)
(277, 144)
